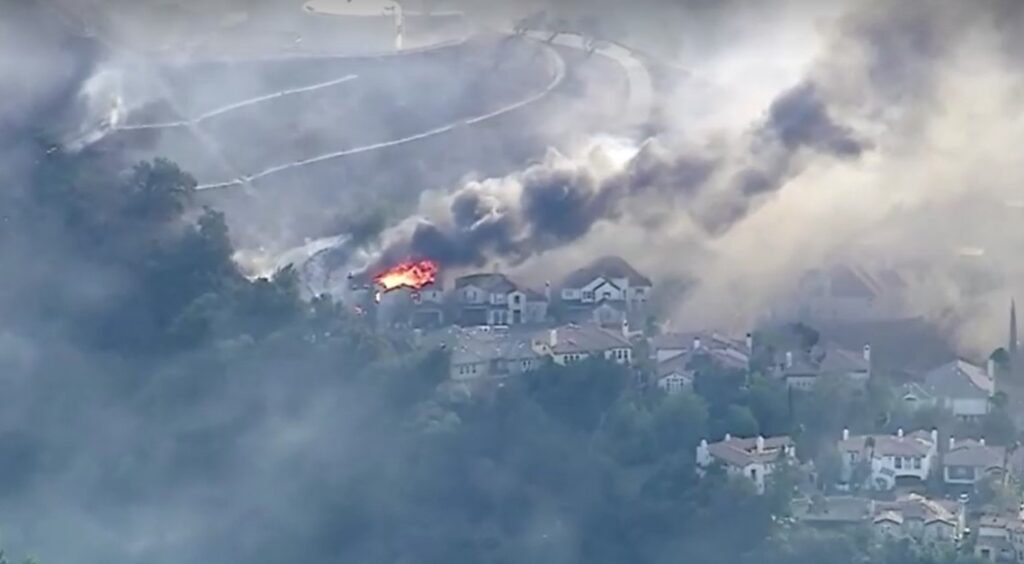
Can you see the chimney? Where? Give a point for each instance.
(553, 338)
(867, 354)
(991, 368)
(846, 434)
(981, 441)
(703, 456)
(728, 437)
(789, 359)
(750, 342)
(547, 290)
(935, 437)
(696, 343)
(952, 442)
(759, 443)
(625, 327)
(899, 432)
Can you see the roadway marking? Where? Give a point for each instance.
(559, 75)
(237, 105)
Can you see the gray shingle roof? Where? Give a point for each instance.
(489, 281)
(475, 345)
(918, 507)
(888, 445)
(958, 379)
(842, 361)
(971, 453)
(741, 452)
(584, 339)
(609, 267)
(834, 509)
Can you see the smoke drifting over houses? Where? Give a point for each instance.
(555, 202)
(888, 133)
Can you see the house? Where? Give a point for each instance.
(833, 512)
(968, 461)
(802, 371)
(484, 353)
(428, 309)
(851, 366)
(930, 521)
(961, 387)
(493, 299)
(608, 279)
(848, 294)
(674, 374)
(1000, 538)
(755, 458)
(573, 343)
(799, 373)
(882, 461)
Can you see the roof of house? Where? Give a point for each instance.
(474, 345)
(847, 283)
(841, 361)
(493, 282)
(609, 267)
(674, 341)
(918, 507)
(834, 509)
(890, 517)
(678, 364)
(958, 379)
(584, 339)
(727, 358)
(497, 283)
(801, 367)
(888, 445)
(973, 453)
(741, 452)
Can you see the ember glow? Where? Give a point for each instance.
(409, 274)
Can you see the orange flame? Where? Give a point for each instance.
(409, 274)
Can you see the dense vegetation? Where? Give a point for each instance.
(169, 371)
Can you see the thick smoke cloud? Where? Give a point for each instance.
(555, 202)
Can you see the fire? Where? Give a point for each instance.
(409, 274)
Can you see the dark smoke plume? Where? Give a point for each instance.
(558, 201)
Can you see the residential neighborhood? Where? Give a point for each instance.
(933, 478)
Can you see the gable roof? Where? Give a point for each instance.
(571, 339)
(973, 453)
(918, 507)
(609, 267)
(741, 452)
(842, 361)
(888, 445)
(959, 379)
(833, 509)
(676, 365)
(473, 345)
(493, 282)
(847, 283)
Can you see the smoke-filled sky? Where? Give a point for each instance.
(799, 134)
(786, 135)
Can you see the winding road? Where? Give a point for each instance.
(238, 105)
(557, 76)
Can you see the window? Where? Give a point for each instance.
(899, 462)
(917, 463)
(588, 296)
(753, 474)
(517, 299)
